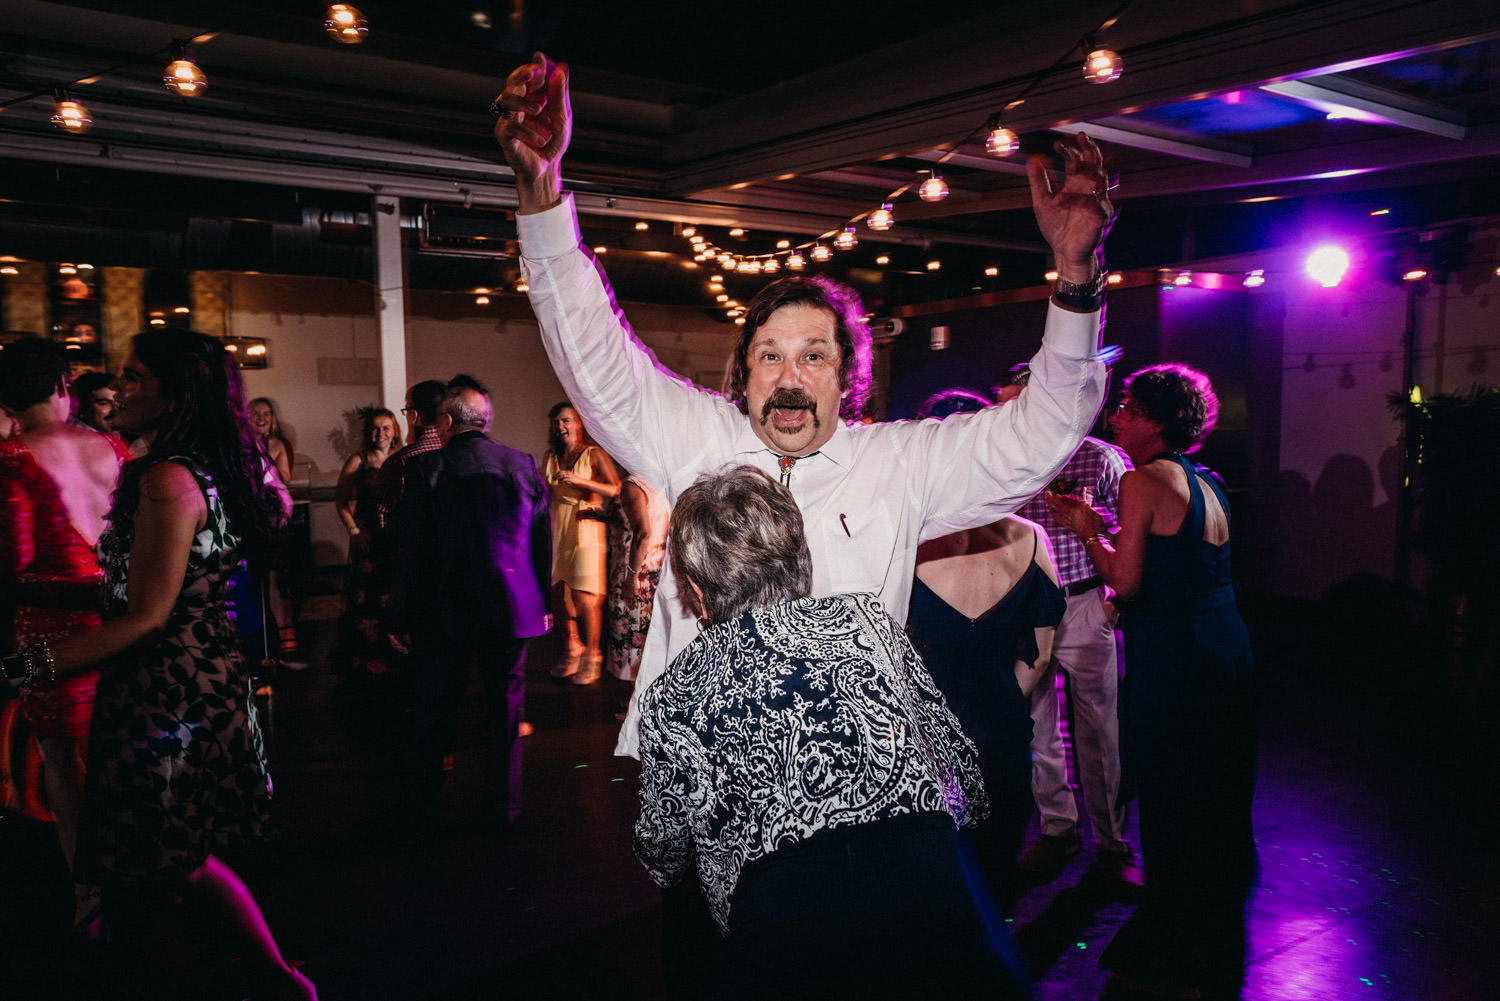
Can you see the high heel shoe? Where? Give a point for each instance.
(569, 667)
(590, 673)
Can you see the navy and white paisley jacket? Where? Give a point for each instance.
(799, 717)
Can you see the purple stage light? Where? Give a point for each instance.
(1327, 265)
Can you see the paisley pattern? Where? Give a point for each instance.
(176, 760)
(800, 717)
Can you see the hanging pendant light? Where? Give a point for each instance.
(881, 219)
(1001, 141)
(182, 75)
(1102, 65)
(345, 24)
(846, 240)
(934, 189)
(69, 115)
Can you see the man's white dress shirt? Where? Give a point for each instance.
(868, 496)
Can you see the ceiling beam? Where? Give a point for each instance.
(882, 107)
(1336, 94)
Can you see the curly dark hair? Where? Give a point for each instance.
(206, 422)
(31, 370)
(850, 332)
(1180, 399)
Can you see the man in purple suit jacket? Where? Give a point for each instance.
(474, 559)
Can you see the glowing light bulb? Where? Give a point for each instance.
(795, 261)
(1183, 278)
(751, 267)
(736, 232)
(883, 260)
(846, 240)
(821, 253)
(771, 266)
(1256, 278)
(934, 189)
(642, 225)
(1050, 276)
(1001, 142)
(783, 244)
(70, 116)
(934, 265)
(1114, 278)
(1327, 265)
(183, 77)
(345, 24)
(521, 286)
(690, 232)
(881, 219)
(992, 272)
(1102, 66)
(481, 300)
(1414, 275)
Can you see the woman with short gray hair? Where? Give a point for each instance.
(797, 757)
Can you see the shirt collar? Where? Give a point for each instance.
(839, 448)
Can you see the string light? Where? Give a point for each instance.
(1256, 278)
(1103, 65)
(345, 24)
(934, 189)
(1001, 141)
(69, 115)
(182, 75)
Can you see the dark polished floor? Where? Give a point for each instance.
(1376, 840)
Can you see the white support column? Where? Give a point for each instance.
(390, 299)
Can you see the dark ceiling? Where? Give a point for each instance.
(790, 120)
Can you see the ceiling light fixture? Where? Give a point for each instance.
(182, 75)
(1103, 65)
(881, 219)
(820, 252)
(846, 240)
(345, 24)
(1001, 141)
(69, 115)
(934, 189)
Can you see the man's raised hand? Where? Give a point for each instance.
(534, 123)
(1074, 216)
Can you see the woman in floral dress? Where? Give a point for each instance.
(177, 771)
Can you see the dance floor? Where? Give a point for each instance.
(1377, 867)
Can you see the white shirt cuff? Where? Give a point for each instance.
(551, 233)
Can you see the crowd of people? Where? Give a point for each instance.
(849, 643)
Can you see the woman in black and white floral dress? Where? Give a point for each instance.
(800, 761)
(176, 766)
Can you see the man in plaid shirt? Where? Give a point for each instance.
(1085, 650)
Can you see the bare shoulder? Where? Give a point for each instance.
(171, 483)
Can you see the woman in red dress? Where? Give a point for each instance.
(55, 486)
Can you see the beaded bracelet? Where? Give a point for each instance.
(35, 659)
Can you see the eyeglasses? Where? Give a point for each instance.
(1130, 409)
(408, 410)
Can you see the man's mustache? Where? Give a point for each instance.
(789, 399)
